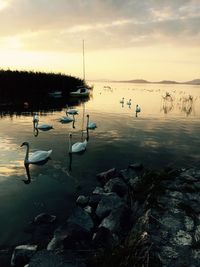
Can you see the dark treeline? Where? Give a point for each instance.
(20, 86)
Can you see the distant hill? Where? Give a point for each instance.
(195, 82)
(168, 82)
(135, 81)
(192, 82)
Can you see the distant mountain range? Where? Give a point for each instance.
(192, 82)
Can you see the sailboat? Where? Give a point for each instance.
(82, 91)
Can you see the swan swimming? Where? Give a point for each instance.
(122, 101)
(36, 157)
(42, 126)
(77, 147)
(71, 111)
(67, 119)
(129, 102)
(35, 118)
(138, 109)
(90, 125)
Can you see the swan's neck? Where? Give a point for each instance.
(35, 124)
(87, 123)
(27, 153)
(70, 145)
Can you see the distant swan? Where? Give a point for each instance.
(129, 102)
(36, 157)
(90, 125)
(43, 126)
(35, 118)
(71, 111)
(122, 101)
(40, 126)
(77, 147)
(138, 109)
(67, 119)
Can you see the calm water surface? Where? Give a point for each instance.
(165, 133)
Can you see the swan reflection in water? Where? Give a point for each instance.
(39, 157)
(187, 105)
(77, 148)
(167, 103)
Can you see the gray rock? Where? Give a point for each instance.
(22, 254)
(103, 177)
(46, 258)
(107, 204)
(116, 185)
(82, 201)
(44, 218)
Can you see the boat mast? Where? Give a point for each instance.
(83, 62)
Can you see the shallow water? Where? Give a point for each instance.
(165, 133)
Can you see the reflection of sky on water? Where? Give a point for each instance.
(154, 137)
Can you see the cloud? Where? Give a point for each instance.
(59, 25)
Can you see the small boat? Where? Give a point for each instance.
(56, 94)
(80, 92)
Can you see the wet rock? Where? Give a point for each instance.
(82, 201)
(128, 174)
(189, 223)
(45, 258)
(44, 218)
(103, 238)
(136, 166)
(116, 185)
(22, 254)
(107, 204)
(103, 177)
(182, 238)
(77, 229)
(118, 221)
(98, 190)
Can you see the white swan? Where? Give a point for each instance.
(42, 126)
(37, 156)
(122, 101)
(67, 119)
(138, 109)
(35, 118)
(129, 102)
(71, 111)
(90, 125)
(77, 147)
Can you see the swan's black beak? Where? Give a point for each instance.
(22, 144)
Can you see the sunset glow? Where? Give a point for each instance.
(152, 40)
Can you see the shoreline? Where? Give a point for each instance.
(133, 217)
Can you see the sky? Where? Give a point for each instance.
(123, 39)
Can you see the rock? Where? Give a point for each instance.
(107, 204)
(103, 238)
(182, 238)
(81, 218)
(118, 221)
(189, 223)
(77, 228)
(98, 190)
(103, 177)
(82, 201)
(128, 174)
(44, 218)
(116, 185)
(45, 258)
(22, 254)
(136, 166)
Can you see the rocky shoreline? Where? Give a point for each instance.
(134, 217)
